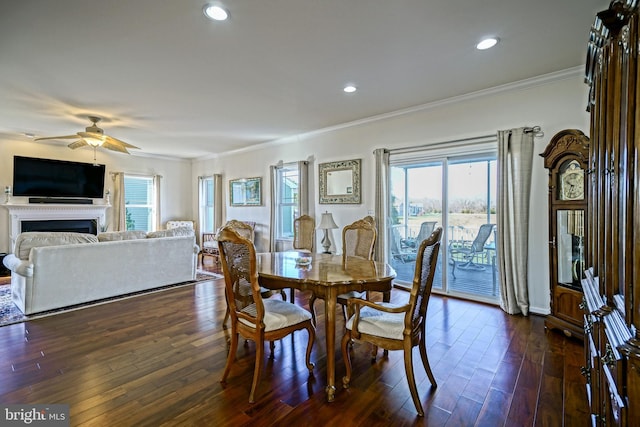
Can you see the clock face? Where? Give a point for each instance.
(572, 182)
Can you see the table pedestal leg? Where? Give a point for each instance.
(330, 329)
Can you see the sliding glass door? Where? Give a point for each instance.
(459, 195)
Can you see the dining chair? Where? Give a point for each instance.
(303, 233)
(358, 240)
(397, 327)
(246, 230)
(209, 248)
(253, 317)
(243, 228)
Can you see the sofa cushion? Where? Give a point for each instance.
(36, 239)
(180, 231)
(122, 235)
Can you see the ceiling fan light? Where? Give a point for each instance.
(93, 141)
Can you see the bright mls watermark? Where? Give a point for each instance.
(34, 415)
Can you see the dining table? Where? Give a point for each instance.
(327, 276)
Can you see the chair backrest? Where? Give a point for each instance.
(180, 223)
(481, 238)
(370, 219)
(426, 263)
(303, 232)
(426, 228)
(359, 239)
(243, 228)
(238, 256)
(394, 242)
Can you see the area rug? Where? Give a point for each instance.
(10, 314)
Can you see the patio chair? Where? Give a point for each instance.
(469, 252)
(398, 251)
(252, 316)
(426, 228)
(395, 327)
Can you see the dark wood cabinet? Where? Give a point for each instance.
(566, 157)
(611, 307)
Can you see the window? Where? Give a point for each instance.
(140, 202)
(287, 196)
(207, 221)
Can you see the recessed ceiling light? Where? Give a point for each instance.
(29, 135)
(487, 43)
(350, 88)
(215, 12)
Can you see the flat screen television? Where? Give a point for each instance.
(34, 177)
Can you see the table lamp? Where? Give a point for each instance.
(327, 223)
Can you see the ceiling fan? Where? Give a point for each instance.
(94, 137)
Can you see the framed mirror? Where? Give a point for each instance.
(340, 182)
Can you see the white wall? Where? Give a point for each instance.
(552, 102)
(175, 184)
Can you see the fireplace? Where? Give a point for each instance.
(72, 225)
(54, 217)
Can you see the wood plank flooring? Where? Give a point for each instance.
(156, 360)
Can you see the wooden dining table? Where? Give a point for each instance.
(327, 276)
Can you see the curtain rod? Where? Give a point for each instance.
(537, 130)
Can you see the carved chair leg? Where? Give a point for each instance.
(233, 348)
(408, 366)
(258, 369)
(425, 361)
(346, 339)
(312, 337)
(312, 309)
(374, 353)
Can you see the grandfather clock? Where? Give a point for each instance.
(566, 157)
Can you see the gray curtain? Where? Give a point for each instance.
(118, 214)
(515, 161)
(381, 202)
(303, 189)
(273, 190)
(156, 188)
(218, 202)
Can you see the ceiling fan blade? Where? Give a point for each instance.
(77, 144)
(94, 135)
(57, 137)
(120, 142)
(114, 147)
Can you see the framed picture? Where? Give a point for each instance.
(340, 182)
(245, 192)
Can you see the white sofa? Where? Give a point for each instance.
(51, 270)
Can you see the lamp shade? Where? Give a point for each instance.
(327, 222)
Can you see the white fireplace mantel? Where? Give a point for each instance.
(46, 211)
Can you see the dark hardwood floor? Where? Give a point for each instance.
(156, 359)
